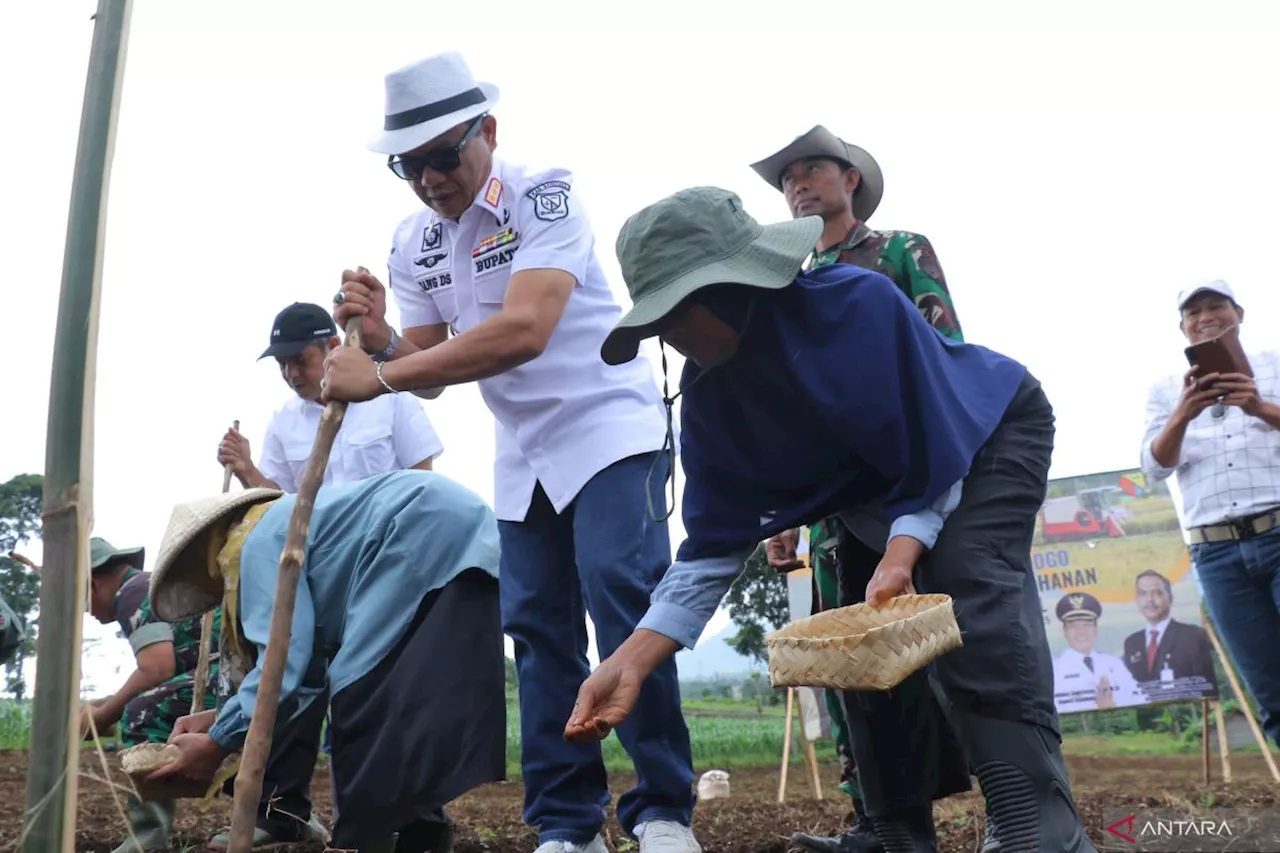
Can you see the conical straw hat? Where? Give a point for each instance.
(181, 585)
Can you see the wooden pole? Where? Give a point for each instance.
(1244, 700)
(1204, 740)
(786, 746)
(54, 764)
(257, 745)
(1223, 746)
(200, 680)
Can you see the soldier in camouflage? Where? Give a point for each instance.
(161, 687)
(822, 175)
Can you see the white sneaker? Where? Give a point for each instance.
(666, 836)
(595, 846)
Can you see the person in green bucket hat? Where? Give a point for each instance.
(815, 393)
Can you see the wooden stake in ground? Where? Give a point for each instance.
(253, 760)
(49, 825)
(1223, 747)
(786, 746)
(1243, 698)
(200, 681)
(1204, 740)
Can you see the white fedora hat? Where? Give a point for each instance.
(181, 585)
(427, 98)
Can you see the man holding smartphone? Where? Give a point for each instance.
(1218, 433)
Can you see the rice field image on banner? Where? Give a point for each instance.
(1120, 602)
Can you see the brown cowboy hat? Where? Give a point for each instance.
(820, 142)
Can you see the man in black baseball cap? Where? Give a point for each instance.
(301, 336)
(297, 327)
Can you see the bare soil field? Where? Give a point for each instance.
(749, 821)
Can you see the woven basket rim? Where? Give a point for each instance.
(919, 606)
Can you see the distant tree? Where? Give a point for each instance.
(21, 504)
(757, 605)
(511, 672)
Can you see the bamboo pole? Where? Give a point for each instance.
(200, 680)
(49, 820)
(257, 745)
(1244, 700)
(786, 746)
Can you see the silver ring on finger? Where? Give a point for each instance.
(339, 298)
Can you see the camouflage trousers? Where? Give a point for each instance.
(149, 716)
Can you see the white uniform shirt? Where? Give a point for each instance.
(1075, 686)
(566, 415)
(1229, 467)
(387, 433)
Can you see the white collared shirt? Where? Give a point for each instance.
(1229, 467)
(566, 415)
(1075, 685)
(1159, 628)
(387, 433)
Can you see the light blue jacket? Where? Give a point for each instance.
(375, 548)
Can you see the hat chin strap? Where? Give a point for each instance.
(668, 440)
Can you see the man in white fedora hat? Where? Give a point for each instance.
(396, 621)
(819, 174)
(504, 258)
(852, 399)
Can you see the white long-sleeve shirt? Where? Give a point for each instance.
(1229, 466)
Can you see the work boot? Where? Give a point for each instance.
(312, 831)
(990, 841)
(150, 825)
(907, 831)
(858, 838)
(1024, 781)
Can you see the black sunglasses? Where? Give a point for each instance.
(443, 160)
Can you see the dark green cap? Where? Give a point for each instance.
(690, 240)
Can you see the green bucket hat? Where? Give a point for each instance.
(102, 554)
(693, 239)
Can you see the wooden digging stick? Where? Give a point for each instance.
(257, 744)
(18, 558)
(200, 681)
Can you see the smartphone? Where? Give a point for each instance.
(1221, 354)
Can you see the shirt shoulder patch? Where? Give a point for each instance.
(550, 200)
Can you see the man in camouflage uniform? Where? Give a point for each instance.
(161, 687)
(821, 175)
(11, 633)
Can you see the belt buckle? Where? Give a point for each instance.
(1244, 530)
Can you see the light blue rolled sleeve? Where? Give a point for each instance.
(689, 595)
(925, 525)
(257, 599)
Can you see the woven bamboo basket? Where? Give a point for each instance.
(861, 647)
(140, 761)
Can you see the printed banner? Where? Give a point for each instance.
(1120, 604)
(813, 708)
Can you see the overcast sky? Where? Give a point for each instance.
(1074, 164)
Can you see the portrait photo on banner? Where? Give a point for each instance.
(1119, 599)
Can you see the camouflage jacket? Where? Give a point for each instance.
(906, 258)
(910, 261)
(142, 628)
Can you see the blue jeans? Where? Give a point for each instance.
(602, 556)
(1241, 581)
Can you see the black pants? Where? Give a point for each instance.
(285, 806)
(903, 742)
